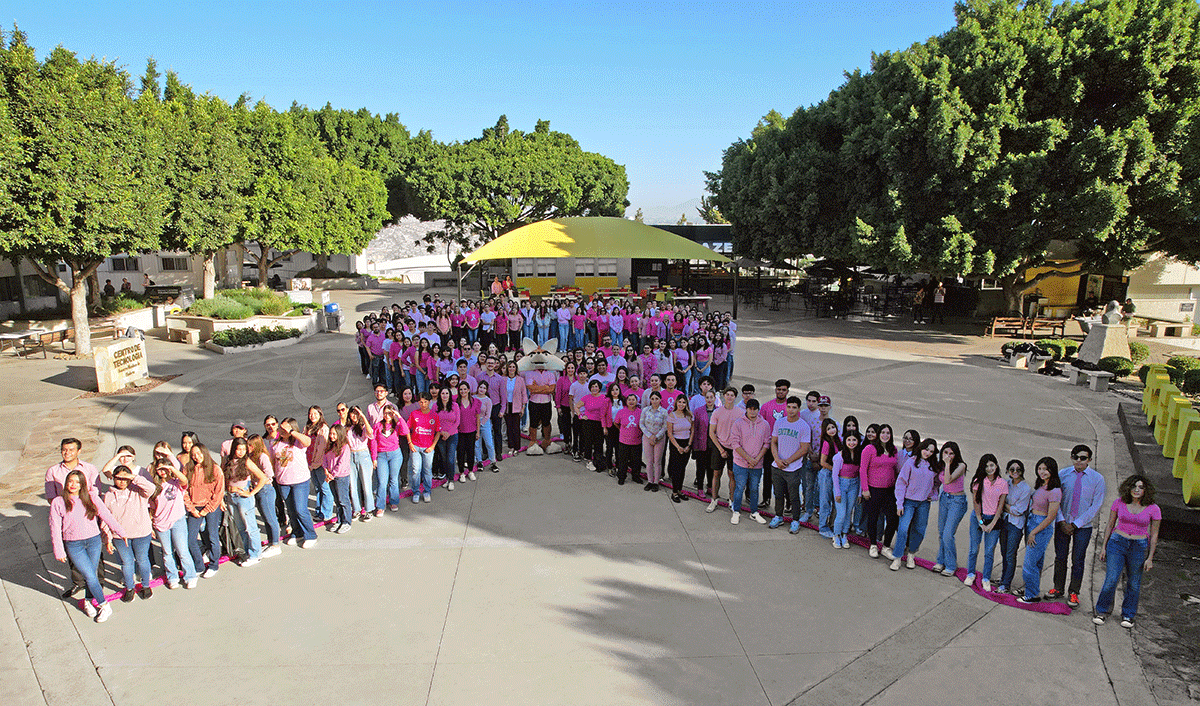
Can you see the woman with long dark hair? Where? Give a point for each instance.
(988, 494)
(916, 487)
(1129, 547)
(952, 507)
(243, 480)
(1039, 526)
(74, 534)
(205, 493)
(878, 487)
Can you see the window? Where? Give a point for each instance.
(124, 264)
(523, 267)
(546, 267)
(8, 289)
(988, 283)
(606, 267)
(585, 267)
(175, 264)
(35, 286)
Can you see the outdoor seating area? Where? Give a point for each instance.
(1026, 327)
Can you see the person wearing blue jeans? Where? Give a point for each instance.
(210, 525)
(295, 497)
(952, 508)
(244, 506)
(387, 477)
(134, 553)
(749, 439)
(847, 489)
(85, 556)
(1035, 555)
(983, 528)
(564, 334)
(174, 544)
(744, 479)
(914, 520)
(420, 477)
(809, 490)
(1133, 525)
(265, 499)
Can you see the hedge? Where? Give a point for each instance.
(1191, 382)
(237, 337)
(1178, 365)
(1143, 373)
(1054, 346)
(220, 307)
(1115, 364)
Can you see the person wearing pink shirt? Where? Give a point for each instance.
(168, 518)
(877, 484)
(205, 506)
(128, 501)
(562, 400)
(987, 495)
(387, 457)
(593, 411)
(916, 487)
(316, 429)
(449, 414)
(541, 386)
(468, 427)
(772, 411)
(243, 480)
(291, 473)
(513, 397)
(749, 439)
(720, 423)
(69, 448)
(74, 534)
(679, 436)
(471, 319)
(422, 439)
(338, 466)
(629, 440)
(952, 507)
(358, 436)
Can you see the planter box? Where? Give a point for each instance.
(208, 326)
(345, 283)
(254, 347)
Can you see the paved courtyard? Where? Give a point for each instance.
(546, 583)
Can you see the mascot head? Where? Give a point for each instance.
(540, 357)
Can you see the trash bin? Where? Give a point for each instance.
(333, 317)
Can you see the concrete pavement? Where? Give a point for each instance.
(546, 583)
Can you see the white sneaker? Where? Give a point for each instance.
(873, 551)
(712, 505)
(104, 614)
(987, 586)
(887, 553)
(591, 466)
(937, 568)
(912, 562)
(895, 565)
(969, 580)
(308, 544)
(172, 585)
(191, 583)
(450, 485)
(735, 518)
(291, 541)
(343, 528)
(758, 518)
(471, 475)
(837, 542)
(250, 562)
(270, 551)
(208, 573)
(89, 608)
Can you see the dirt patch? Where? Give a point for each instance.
(1168, 624)
(128, 389)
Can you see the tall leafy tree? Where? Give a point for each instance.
(205, 175)
(89, 182)
(506, 178)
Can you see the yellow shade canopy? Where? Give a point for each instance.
(595, 236)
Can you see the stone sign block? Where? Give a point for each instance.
(119, 362)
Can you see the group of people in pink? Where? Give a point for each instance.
(635, 415)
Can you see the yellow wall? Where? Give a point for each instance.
(537, 286)
(1061, 291)
(589, 285)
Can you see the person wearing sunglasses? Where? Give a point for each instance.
(1083, 492)
(1129, 548)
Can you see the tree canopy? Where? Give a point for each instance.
(1029, 128)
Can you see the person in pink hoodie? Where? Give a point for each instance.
(128, 501)
(339, 464)
(74, 533)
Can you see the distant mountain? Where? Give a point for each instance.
(669, 215)
(403, 239)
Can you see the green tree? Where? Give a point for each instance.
(1028, 129)
(709, 212)
(638, 216)
(88, 184)
(682, 220)
(485, 187)
(205, 175)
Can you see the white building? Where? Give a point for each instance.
(1165, 288)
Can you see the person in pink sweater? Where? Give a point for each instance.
(168, 517)
(877, 483)
(128, 501)
(513, 397)
(389, 450)
(916, 487)
(449, 415)
(74, 533)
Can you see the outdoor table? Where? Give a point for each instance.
(16, 337)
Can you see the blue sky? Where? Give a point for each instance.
(661, 87)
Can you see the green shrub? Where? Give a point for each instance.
(1115, 364)
(1143, 373)
(275, 307)
(1054, 345)
(237, 337)
(1191, 382)
(1072, 347)
(302, 310)
(1196, 329)
(1007, 348)
(1178, 365)
(1138, 351)
(325, 273)
(220, 307)
(125, 301)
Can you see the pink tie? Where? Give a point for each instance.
(1075, 494)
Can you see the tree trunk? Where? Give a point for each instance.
(323, 261)
(1014, 287)
(16, 263)
(264, 265)
(93, 289)
(79, 315)
(208, 275)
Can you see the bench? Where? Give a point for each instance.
(1051, 326)
(185, 335)
(1016, 324)
(1174, 329)
(1096, 379)
(44, 340)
